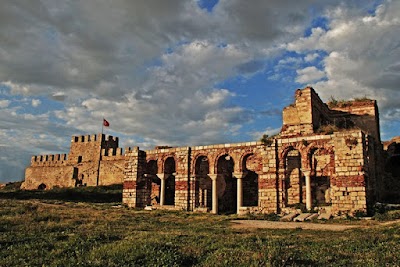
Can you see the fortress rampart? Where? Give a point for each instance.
(92, 160)
(327, 156)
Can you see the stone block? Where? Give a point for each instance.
(289, 217)
(325, 216)
(302, 217)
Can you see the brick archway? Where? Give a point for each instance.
(203, 183)
(250, 167)
(293, 183)
(169, 172)
(321, 161)
(226, 184)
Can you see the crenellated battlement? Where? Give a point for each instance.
(94, 138)
(111, 138)
(86, 138)
(115, 153)
(112, 152)
(49, 160)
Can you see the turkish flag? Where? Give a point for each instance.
(106, 123)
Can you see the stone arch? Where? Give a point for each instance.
(224, 155)
(293, 184)
(283, 154)
(226, 184)
(203, 183)
(309, 150)
(164, 163)
(194, 159)
(321, 163)
(169, 172)
(250, 168)
(42, 186)
(154, 182)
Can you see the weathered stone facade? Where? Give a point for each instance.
(327, 157)
(92, 160)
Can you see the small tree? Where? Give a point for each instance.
(266, 139)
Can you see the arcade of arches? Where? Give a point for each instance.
(251, 177)
(305, 165)
(326, 156)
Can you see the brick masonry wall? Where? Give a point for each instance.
(348, 184)
(134, 193)
(182, 193)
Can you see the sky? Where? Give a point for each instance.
(184, 72)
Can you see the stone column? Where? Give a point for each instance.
(162, 177)
(214, 193)
(308, 189)
(239, 177)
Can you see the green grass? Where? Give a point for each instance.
(38, 232)
(99, 194)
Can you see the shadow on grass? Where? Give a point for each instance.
(95, 194)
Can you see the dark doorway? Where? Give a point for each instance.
(226, 185)
(203, 184)
(169, 170)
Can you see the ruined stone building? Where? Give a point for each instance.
(92, 160)
(324, 156)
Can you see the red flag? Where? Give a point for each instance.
(106, 123)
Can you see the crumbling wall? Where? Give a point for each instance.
(134, 192)
(297, 118)
(47, 177)
(362, 114)
(349, 193)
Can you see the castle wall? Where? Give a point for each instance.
(85, 148)
(299, 167)
(81, 166)
(49, 176)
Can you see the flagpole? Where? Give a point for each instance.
(102, 126)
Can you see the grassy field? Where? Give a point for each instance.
(61, 230)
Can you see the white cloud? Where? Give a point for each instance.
(309, 74)
(179, 99)
(4, 103)
(36, 102)
(290, 61)
(154, 69)
(311, 57)
(362, 55)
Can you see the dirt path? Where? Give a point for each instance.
(246, 224)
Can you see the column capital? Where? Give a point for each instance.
(239, 175)
(162, 176)
(213, 176)
(306, 172)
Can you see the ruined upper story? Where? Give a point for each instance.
(309, 115)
